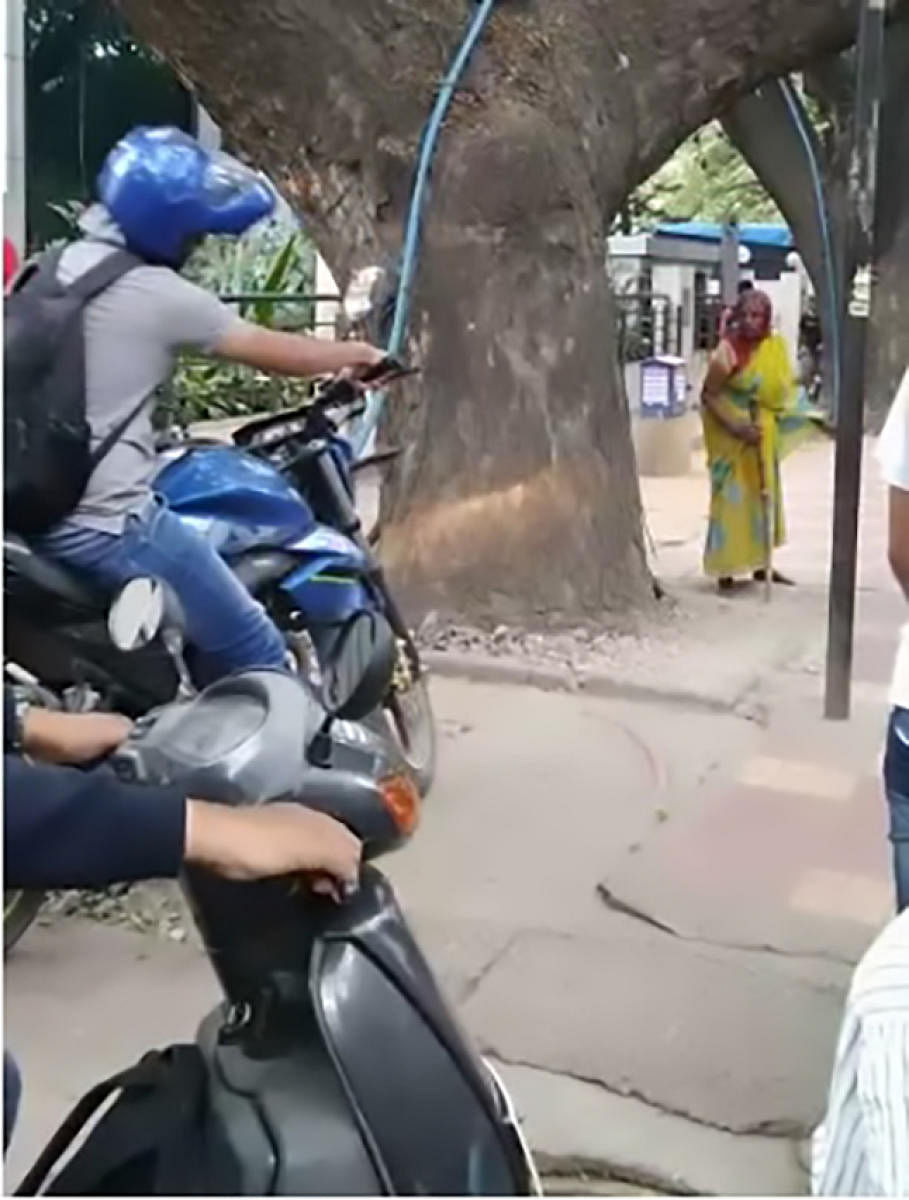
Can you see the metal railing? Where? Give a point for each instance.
(648, 324)
(707, 313)
(309, 299)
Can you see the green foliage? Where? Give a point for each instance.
(706, 179)
(87, 82)
(271, 258)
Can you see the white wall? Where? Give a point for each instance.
(208, 133)
(326, 310)
(623, 272)
(786, 295)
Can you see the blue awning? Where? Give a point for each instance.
(775, 236)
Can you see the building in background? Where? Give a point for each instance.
(668, 293)
(668, 284)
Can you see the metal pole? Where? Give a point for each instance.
(14, 224)
(860, 260)
(729, 262)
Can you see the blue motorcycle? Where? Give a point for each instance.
(279, 506)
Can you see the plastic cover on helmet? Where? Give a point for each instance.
(164, 190)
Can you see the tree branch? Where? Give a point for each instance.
(304, 87)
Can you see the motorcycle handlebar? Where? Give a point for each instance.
(336, 392)
(343, 391)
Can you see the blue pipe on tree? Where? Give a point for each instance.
(410, 255)
(834, 303)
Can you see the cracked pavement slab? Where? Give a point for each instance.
(585, 1135)
(716, 1036)
(791, 854)
(538, 795)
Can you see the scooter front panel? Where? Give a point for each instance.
(285, 1117)
(434, 1135)
(422, 1097)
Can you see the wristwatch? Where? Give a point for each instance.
(17, 734)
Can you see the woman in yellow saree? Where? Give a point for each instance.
(751, 421)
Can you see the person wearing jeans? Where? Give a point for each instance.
(226, 627)
(893, 454)
(12, 1096)
(896, 783)
(160, 192)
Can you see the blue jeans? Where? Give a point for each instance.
(896, 784)
(225, 626)
(12, 1094)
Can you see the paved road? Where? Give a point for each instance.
(594, 880)
(541, 797)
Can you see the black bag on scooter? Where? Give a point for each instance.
(47, 455)
(154, 1140)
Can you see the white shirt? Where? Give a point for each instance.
(893, 456)
(862, 1149)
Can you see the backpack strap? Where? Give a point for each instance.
(145, 1073)
(44, 265)
(113, 436)
(87, 286)
(112, 267)
(160, 1099)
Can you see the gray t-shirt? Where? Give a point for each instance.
(133, 333)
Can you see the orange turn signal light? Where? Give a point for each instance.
(401, 798)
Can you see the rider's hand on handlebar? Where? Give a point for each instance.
(275, 839)
(362, 356)
(376, 368)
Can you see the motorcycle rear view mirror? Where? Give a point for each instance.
(137, 614)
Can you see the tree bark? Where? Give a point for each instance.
(832, 84)
(517, 496)
(888, 341)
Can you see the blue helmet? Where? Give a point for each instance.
(165, 191)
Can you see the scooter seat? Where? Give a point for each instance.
(22, 561)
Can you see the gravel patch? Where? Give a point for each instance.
(157, 908)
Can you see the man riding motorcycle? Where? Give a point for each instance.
(160, 192)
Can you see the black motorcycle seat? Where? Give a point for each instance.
(48, 576)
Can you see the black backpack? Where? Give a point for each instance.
(47, 455)
(154, 1140)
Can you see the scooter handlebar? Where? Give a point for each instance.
(356, 801)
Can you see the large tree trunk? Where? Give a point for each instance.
(517, 496)
(518, 493)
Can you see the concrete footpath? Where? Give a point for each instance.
(647, 911)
